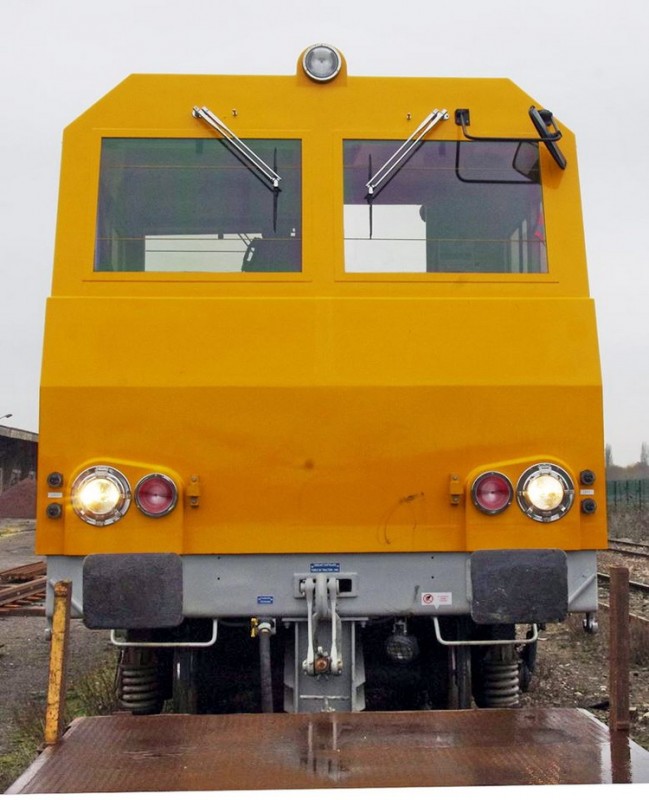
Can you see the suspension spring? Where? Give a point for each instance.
(138, 681)
(500, 687)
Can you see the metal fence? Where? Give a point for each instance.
(628, 494)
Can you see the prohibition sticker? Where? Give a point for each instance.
(437, 599)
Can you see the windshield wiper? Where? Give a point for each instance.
(398, 158)
(241, 147)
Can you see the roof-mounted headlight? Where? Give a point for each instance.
(322, 62)
(545, 492)
(101, 495)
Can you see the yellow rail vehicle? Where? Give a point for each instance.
(321, 367)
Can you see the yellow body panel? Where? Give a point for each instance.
(321, 411)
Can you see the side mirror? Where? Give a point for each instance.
(542, 121)
(526, 161)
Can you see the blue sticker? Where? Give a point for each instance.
(325, 566)
(265, 599)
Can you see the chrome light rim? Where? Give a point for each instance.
(528, 486)
(476, 485)
(117, 495)
(168, 482)
(308, 62)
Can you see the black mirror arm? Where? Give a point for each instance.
(542, 121)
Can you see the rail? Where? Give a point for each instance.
(643, 588)
(22, 590)
(624, 547)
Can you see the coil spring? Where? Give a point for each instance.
(500, 688)
(138, 682)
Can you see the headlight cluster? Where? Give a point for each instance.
(101, 495)
(545, 492)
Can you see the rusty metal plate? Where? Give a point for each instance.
(339, 750)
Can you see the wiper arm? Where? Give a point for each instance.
(400, 155)
(248, 154)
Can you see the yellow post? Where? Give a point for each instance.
(58, 658)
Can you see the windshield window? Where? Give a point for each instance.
(452, 207)
(191, 205)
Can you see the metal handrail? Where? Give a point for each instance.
(123, 643)
(483, 642)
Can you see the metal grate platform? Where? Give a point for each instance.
(123, 753)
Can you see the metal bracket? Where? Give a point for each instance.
(582, 588)
(321, 594)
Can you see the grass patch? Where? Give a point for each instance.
(95, 695)
(26, 741)
(92, 695)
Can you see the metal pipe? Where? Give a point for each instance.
(264, 632)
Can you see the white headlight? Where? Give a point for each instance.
(101, 495)
(545, 492)
(322, 62)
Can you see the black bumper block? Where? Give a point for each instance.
(133, 590)
(519, 586)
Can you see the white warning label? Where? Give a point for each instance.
(437, 599)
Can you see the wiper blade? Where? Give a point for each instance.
(400, 155)
(242, 148)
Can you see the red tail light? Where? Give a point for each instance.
(492, 492)
(156, 495)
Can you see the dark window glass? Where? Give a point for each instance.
(191, 205)
(452, 207)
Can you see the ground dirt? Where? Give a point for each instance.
(572, 666)
(19, 500)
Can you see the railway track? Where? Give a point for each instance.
(637, 586)
(629, 547)
(638, 599)
(635, 556)
(22, 590)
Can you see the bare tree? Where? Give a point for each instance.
(644, 454)
(608, 455)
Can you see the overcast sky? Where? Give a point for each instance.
(586, 60)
